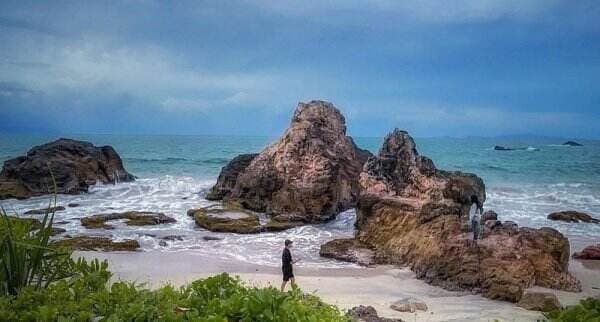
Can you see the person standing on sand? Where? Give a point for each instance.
(286, 265)
(475, 216)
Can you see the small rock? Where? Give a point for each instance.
(163, 243)
(501, 148)
(209, 238)
(172, 238)
(489, 215)
(73, 205)
(368, 314)
(44, 211)
(409, 305)
(573, 216)
(572, 143)
(348, 250)
(62, 222)
(538, 301)
(590, 252)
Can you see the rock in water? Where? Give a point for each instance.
(590, 252)
(368, 314)
(572, 143)
(414, 214)
(310, 174)
(76, 165)
(409, 305)
(573, 216)
(538, 301)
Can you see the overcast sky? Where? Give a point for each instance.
(435, 68)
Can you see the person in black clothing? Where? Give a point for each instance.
(286, 265)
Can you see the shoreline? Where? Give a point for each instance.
(345, 287)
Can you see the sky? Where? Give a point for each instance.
(434, 68)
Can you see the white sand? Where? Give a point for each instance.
(345, 287)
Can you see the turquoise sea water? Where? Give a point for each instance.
(175, 172)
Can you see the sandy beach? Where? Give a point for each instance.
(345, 287)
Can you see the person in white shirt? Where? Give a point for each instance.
(475, 216)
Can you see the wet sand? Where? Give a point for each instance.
(345, 287)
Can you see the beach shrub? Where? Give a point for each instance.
(90, 297)
(25, 256)
(588, 310)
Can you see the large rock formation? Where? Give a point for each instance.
(310, 174)
(414, 214)
(75, 165)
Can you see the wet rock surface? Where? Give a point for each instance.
(226, 220)
(573, 216)
(539, 301)
(310, 173)
(73, 165)
(134, 218)
(572, 143)
(44, 211)
(97, 243)
(413, 214)
(591, 252)
(409, 305)
(349, 250)
(368, 314)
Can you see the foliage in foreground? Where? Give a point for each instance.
(26, 258)
(218, 298)
(588, 310)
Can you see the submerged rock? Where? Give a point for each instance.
(572, 143)
(349, 250)
(590, 252)
(44, 211)
(97, 243)
(502, 148)
(538, 301)
(413, 214)
(409, 305)
(134, 218)
(310, 173)
(368, 314)
(573, 216)
(73, 165)
(73, 205)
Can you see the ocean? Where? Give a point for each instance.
(174, 173)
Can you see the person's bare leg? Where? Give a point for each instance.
(283, 285)
(293, 282)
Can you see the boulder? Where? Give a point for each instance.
(573, 216)
(134, 218)
(73, 165)
(349, 250)
(539, 301)
(413, 214)
(489, 215)
(73, 205)
(590, 252)
(44, 211)
(310, 173)
(572, 143)
(226, 220)
(368, 314)
(97, 243)
(409, 305)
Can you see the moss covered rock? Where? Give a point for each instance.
(97, 243)
(134, 218)
(226, 220)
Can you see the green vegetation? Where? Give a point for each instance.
(588, 310)
(40, 282)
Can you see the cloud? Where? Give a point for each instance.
(416, 11)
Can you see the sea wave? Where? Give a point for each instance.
(209, 161)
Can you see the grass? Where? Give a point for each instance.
(588, 310)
